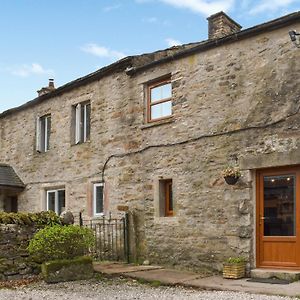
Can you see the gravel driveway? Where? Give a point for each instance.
(108, 289)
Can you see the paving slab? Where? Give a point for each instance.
(165, 276)
(119, 268)
(242, 285)
(190, 279)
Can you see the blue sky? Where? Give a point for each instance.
(65, 40)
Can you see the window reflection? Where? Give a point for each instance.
(279, 205)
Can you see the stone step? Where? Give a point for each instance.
(289, 275)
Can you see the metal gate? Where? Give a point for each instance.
(111, 237)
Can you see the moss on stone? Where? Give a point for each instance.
(68, 269)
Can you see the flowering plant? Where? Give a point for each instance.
(231, 172)
(235, 260)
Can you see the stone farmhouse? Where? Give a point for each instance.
(153, 132)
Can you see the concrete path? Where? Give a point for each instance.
(190, 279)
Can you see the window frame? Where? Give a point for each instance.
(81, 123)
(168, 197)
(43, 137)
(156, 84)
(95, 185)
(55, 199)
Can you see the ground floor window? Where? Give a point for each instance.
(56, 201)
(166, 198)
(98, 199)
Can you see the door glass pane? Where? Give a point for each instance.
(51, 201)
(279, 205)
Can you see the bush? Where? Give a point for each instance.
(39, 219)
(60, 242)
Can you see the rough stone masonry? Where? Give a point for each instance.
(234, 100)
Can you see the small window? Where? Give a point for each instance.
(98, 201)
(166, 198)
(56, 201)
(82, 122)
(43, 130)
(159, 100)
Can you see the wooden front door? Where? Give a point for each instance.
(278, 218)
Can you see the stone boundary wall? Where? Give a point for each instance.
(15, 262)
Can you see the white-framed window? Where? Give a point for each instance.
(82, 122)
(43, 130)
(159, 102)
(56, 201)
(98, 199)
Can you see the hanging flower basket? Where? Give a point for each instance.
(231, 175)
(231, 180)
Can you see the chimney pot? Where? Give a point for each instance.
(48, 89)
(51, 83)
(220, 25)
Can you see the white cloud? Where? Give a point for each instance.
(171, 42)
(111, 7)
(101, 51)
(32, 69)
(150, 20)
(205, 7)
(270, 6)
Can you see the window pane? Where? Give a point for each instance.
(167, 90)
(170, 196)
(99, 200)
(51, 201)
(279, 205)
(161, 92)
(161, 110)
(48, 133)
(88, 122)
(43, 128)
(82, 123)
(61, 202)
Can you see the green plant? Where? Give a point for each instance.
(235, 260)
(231, 171)
(60, 242)
(39, 219)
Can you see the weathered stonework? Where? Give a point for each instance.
(237, 100)
(15, 262)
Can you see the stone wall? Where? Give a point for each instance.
(14, 257)
(234, 102)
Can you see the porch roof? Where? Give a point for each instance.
(9, 178)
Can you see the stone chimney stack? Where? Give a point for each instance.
(220, 25)
(48, 89)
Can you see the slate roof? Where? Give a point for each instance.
(9, 178)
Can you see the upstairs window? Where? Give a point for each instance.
(82, 122)
(98, 201)
(159, 100)
(56, 201)
(43, 130)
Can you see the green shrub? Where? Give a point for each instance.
(60, 242)
(39, 219)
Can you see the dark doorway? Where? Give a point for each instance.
(11, 204)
